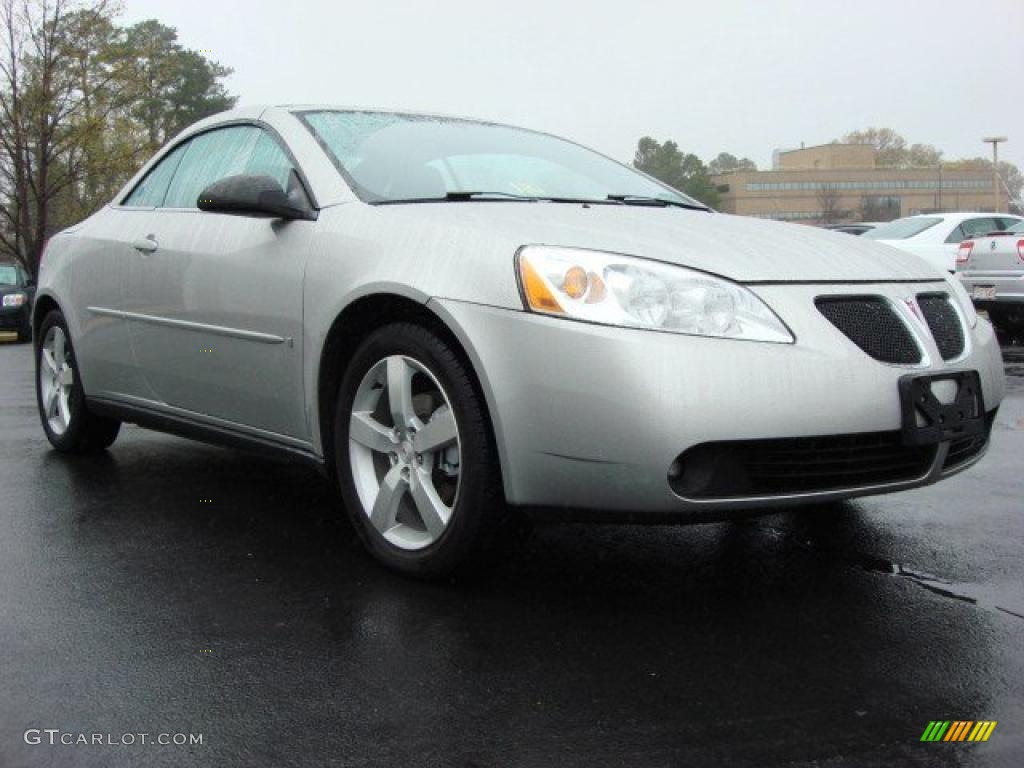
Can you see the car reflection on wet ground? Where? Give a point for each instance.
(174, 587)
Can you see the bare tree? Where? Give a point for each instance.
(36, 102)
(829, 201)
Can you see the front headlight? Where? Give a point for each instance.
(637, 293)
(963, 299)
(15, 299)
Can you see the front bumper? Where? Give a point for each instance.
(15, 318)
(589, 417)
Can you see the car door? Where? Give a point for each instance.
(104, 252)
(214, 301)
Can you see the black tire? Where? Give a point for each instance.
(480, 516)
(86, 432)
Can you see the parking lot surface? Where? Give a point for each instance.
(169, 587)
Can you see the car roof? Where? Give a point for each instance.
(959, 215)
(375, 110)
(256, 111)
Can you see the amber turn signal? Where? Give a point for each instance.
(538, 295)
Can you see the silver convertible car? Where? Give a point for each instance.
(461, 322)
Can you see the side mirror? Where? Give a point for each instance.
(249, 194)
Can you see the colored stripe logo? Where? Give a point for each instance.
(958, 730)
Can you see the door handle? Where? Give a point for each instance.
(148, 244)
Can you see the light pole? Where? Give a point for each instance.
(995, 141)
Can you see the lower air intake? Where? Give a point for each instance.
(750, 468)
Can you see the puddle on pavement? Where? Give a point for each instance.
(987, 598)
(976, 594)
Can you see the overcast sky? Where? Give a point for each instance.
(717, 75)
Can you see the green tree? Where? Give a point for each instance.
(103, 147)
(169, 87)
(682, 171)
(726, 163)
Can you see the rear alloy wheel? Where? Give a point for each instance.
(56, 381)
(67, 422)
(414, 455)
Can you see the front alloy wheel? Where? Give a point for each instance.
(404, 452)
(415, 458)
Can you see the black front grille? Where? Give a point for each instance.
(745, 468)
(944, 322)
(13, 322)
(872, 324)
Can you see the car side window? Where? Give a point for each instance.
(957, 235)
(978, 227)
(150, 192)
(210, 157)
(226, 152)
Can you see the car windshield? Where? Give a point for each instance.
(901, 229)
(1017, 228)
(8, 274)
(389, 157)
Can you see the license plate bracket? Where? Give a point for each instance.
(927, 420)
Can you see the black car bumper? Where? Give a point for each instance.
(15, 318)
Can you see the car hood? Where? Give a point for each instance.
(6, 289)
(740, 248)
(892, 243)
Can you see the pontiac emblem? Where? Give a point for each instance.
(915, 310)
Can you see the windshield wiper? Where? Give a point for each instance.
(465, 196)
(661, 202)
(458, 196)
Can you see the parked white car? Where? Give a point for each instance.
(992, 270)
(935, 237)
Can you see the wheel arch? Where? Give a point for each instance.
(42, 305)
(374, 310)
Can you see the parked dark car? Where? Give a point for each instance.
(17, 290)
(853, 229)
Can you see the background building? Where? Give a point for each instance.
(834, 183)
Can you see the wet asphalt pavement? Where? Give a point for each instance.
(172, 587)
